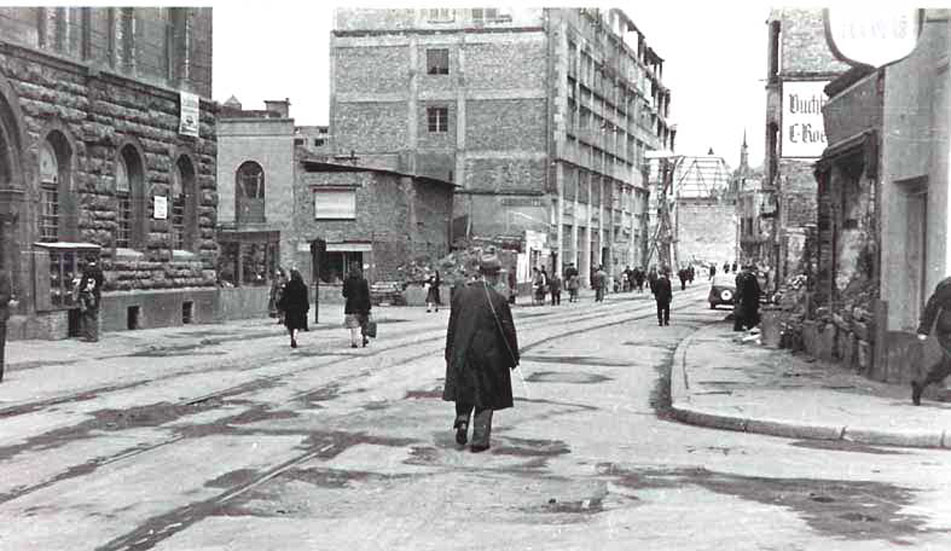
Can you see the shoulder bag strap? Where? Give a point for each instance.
(498, 323)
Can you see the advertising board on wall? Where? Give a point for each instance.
(188, 116)
(802, 132)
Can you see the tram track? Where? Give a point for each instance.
(601, 318)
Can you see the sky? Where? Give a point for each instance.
(714, 64)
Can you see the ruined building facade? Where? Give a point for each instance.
(541, 117)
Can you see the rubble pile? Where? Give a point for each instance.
(792, 307)
(454, 267)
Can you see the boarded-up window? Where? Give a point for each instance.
(437, 61)
(335, 204)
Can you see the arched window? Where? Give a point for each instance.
(49, 193)
(182, 201)
(129, 200)
(249, 192)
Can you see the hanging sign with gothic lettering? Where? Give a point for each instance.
(872, 34)
(802, 130)
(188, 121)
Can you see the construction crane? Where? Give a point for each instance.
(662, 240)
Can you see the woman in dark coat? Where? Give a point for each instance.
(357, 309)
(481, 349)
(295, 304)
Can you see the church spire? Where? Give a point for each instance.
(744, 155)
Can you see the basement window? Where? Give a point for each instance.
(437, 61)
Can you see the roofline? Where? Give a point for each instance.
(311, 164)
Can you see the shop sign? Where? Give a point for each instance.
(188, 116)
(160, 207)
(803, 132)
(872, 35)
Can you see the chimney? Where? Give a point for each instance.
(281, 107)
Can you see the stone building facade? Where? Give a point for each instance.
(799, 64)
(541, 116)
(883, 194)
(97, 159)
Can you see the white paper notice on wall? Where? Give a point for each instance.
(160, 207)
(803, 132)
(188, 117)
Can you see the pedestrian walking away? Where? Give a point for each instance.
(432, 292)
(277, 289)
(935, 321)
(746, 300)
(89, 294)
(8, 301)
(481, 350)
(357, 308)
(295, 304)
(555, 286)
(599, 281)
(572, 281)
(662, 295)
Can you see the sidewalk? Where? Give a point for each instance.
(719, 382)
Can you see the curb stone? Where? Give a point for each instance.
(773, 427)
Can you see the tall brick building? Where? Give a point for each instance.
(799, 65)
(107, 147)
(540, 116)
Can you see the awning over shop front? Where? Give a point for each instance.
(350, 247)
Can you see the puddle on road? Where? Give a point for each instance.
(573, 377)
(856, 510)
(845, 446)
(433, 393)
(575, 360)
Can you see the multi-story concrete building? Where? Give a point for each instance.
(107, 148)
(799, 65)
(540, 116)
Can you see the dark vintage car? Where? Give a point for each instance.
(722, 290)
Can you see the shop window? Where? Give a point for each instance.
(335, 265)
(438, 119)
(437, 61)
(248, 259)
(249, 193)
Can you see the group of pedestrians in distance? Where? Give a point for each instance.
(289, 303)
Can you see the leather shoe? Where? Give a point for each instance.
(461, 430)
(478, 448)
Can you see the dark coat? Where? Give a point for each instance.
(747, 298)
(6, 295)
(357, 291)
(481, 349)
(937, 314)
(295, 304)
(662, 291)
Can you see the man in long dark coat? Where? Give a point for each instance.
(746, 309)
(481, 349)
(936, 319)
(662, 295)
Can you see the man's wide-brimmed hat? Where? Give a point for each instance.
(490, 264)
